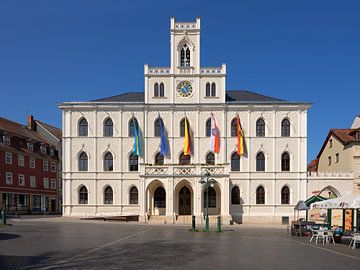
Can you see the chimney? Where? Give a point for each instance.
(31, 122)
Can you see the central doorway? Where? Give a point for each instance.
(184, 201)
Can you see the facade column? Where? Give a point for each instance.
(169, 200)
(225, 211)
(142, 201)
(197, 203)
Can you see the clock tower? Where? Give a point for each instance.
(185, 81)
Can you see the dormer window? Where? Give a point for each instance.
(30, 146)
(43, 149)
(185, 56)
(51, 151)
(7, 140)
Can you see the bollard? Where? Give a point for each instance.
(193, 223)
(3, 214)
(218, 224)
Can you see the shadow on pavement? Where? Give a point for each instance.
(7, 236)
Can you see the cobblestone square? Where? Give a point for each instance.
(63, 243)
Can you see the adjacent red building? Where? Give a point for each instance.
(29, 169)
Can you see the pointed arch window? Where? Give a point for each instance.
(285, 195)
(159, 159)
(182, 127)
(162, 90)
(260, 195)
(213, 89)
(108, 128)
(260, 128)
(108, 162)
(234, 127)
(133, 163)
(83, 195)
(83, 162)
(157, 124)
(235, 195)
(285, 128)
(207, 90)
(235, 162)
(285, 162)
(156, 90)
(83, 127)
(210, 159)
(260, 162)
(212, 197)
(184, 160)
(208, 128)
(134, 195)
(108, 196)
(185, 56)
(132, 123)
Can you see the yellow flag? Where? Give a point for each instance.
(186, 139)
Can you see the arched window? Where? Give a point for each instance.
(83, 127)
(185, 56)
(108, 162)
(134, 196)
(213, 89)
(160, 198)
(260, 195)
(235, 162)
(208, 128)
(235, 195)
(184, 160)
(159, 159)
(132, 123)
(260, 162)
(133, 163)
(108, 196)
(207, 90)
(157, 124)
(234, 127)
(285, 162)
(210, 159)
(182, 127)
(83, 195)
(83, 162)
(260, 128)
(285, 195)
(108, 128)
(285, 128)
(162, 90)
(156, 90)
(212, 197)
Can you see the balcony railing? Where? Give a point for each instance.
(180, 170)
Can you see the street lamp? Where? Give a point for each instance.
(207, 182)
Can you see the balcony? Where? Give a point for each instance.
(182, 170)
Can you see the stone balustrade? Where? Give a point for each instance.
(185, 170)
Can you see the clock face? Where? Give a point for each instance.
(184, 89)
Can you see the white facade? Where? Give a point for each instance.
(172, 107)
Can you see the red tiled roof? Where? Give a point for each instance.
(20, 130)
(345, 135)
(312, 166)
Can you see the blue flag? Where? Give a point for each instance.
(136, 149)
(164, 146)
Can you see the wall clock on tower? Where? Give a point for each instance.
(184, 89)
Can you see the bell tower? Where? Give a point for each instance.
(185, 47)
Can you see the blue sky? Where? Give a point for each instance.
(54, 51)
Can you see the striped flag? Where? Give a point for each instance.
(240, 138)
(186, 139)
(215, 138)
(136, 149)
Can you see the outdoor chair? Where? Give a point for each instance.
(355, 240)
(321, 235)
(314, 234)
(330, 236)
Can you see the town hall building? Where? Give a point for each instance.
(104, 175)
